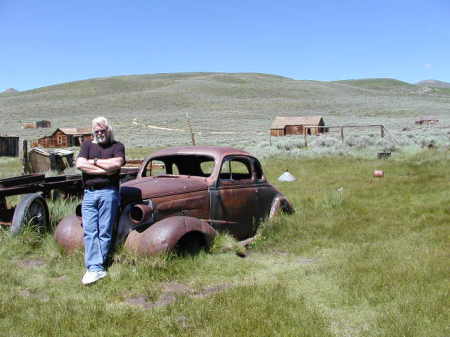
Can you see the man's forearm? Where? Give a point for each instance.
(111, 164)
(91, 169)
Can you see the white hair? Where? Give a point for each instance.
(103, 122)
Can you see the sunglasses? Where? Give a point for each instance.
(99, 132)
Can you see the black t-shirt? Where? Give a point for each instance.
(90, 150)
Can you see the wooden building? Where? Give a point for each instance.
(300, 125)
(9, 146)
(427, 121)
(40, 160)
(65, 137)
(36, 124)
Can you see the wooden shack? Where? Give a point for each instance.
(65, 137)
(36, 124)
(41, 160)
(427, 121)
(9, 146)
(299, 125)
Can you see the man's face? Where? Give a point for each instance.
(101, 134)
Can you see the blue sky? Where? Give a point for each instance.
(49, 42)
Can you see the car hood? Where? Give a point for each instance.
(159, 186)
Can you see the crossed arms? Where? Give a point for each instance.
(101, 167)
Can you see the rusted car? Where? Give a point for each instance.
(181, 198)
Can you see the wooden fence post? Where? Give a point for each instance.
(190, 129)
(342, 134)
(382, 131)
(26, 167)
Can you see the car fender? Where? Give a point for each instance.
(69, 233)
(164, 235)
(280, 204)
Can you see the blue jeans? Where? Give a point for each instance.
(99, 211)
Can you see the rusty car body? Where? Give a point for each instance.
(183, 196)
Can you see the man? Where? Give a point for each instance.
(100, 161)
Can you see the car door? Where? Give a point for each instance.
(234, 198)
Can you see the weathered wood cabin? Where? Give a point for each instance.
(427, 121)
(300, 125)
(65, 137)
(36, 124)
(9, 146)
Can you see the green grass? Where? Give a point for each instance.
(377, 83)
(362, 256)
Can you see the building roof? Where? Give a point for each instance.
(75, 131)
(280, 122)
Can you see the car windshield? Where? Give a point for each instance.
(192, 165)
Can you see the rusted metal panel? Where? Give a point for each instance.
(69, 233)
(165, 234)
(160, 186)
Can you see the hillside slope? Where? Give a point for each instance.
(433, 84)
(243, 103)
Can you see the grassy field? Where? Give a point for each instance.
(362, 256)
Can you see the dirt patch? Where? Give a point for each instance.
(205, 292)
(169, 295)
(30, 263)
(25, 293)
(28, 293)
(60, 278)
(306, 260)
(176, 288)
(143, 302)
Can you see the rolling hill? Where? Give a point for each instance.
(223, 107)
(433, 84)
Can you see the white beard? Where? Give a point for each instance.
(101, 139)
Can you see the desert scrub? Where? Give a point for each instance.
(60, 207)
(356, 145)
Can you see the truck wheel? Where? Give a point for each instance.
(31, 212)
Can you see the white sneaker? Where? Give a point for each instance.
(92, 276)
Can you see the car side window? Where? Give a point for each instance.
(174, 169)
(235, 169)
(207, 167)
(154, 168)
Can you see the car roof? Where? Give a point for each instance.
(217, 152)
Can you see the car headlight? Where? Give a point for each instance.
(141, 213)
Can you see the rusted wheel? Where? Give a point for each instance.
(31, 212)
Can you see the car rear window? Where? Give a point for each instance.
(192, 165)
